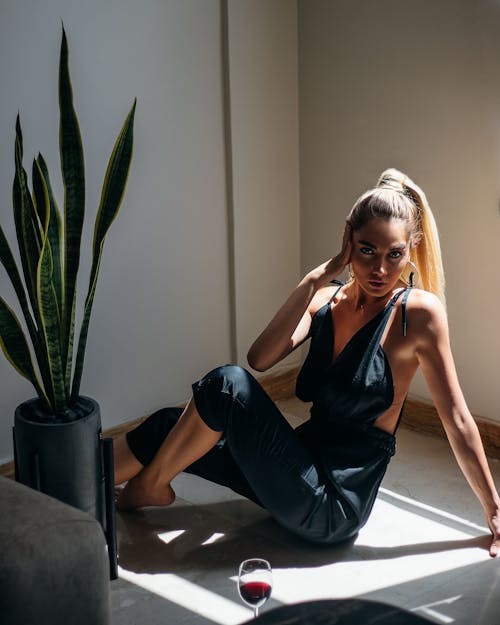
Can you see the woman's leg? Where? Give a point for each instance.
(126, 464)
(188, 440)
(138, 448)
(276, 461)
(260, 456)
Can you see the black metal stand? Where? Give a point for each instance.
(16, 467)
(109, 490)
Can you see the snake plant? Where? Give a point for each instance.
(49, 251)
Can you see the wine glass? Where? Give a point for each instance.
(255, 581)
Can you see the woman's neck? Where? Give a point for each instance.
(361, 301)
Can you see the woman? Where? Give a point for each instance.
(368, 338)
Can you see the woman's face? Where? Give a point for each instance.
(380, 252)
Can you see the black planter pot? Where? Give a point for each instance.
(69, 461)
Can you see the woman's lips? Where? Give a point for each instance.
(376, 284)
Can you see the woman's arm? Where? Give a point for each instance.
(435, 357)
(290, 325)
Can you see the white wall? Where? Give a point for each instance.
(263, 90)
(161, 309)
(183, 286)
(414, 85)
(165, 305)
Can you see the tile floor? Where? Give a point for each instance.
(424, 549)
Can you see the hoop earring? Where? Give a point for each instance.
(410, 281)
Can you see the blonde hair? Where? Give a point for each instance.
(397, 197)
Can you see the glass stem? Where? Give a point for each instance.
(256, 612)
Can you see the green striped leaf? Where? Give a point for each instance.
(73, 172)
(54, 229)
(54, 232)
(7, 260)
(113, 190)
(42, 351)
(15, 348)
(40, 198)
(26, 221)
(69, 362)
(49, 316)
(82, 341)
(9, 263)
(115, 180)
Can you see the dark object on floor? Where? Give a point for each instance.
(69, 461)
(339, 612)
(54, 568)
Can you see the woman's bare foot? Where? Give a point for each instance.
(137, 493)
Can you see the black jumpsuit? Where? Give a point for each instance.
(321, 479)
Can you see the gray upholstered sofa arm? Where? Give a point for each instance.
(54, 567)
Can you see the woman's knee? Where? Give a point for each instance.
(230, 379)
(219, 391)
(230, 372)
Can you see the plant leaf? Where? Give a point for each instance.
(115, 179)
(46, 358)
(113, 190)
(40, 200)
(50, 320)
(7, 260)
(54, 233)
(82, 342)
(73, 172)
(26, 221)
(15, 348)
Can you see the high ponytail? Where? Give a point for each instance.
(397, 197)
(427, 253)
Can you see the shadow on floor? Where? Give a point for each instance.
(205, 537)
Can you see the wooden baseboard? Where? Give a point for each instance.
(417, 415)
(423, 417)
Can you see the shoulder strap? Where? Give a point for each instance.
(371, 350)
(340, 285)
(403, 308)
(405, 293)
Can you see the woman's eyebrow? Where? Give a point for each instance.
(396, 246)
(368, 244)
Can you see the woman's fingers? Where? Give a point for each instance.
(494, 523)
(495, 547)
(336, 265)
(347, 241)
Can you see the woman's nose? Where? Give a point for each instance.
(379, 268)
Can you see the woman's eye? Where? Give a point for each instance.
(396, 254)
(366, 250)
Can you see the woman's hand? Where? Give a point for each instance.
(335, 266)
(494, 525)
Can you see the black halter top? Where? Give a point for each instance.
(348, 395)
(357, 385)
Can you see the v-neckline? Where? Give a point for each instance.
(335, 359)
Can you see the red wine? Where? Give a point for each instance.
(255, 593)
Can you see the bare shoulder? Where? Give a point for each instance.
(427, 314)
(322, 297)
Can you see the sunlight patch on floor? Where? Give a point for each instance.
(433, 510)
(433, 609)
(395, 547)
(191, 596)
(398, 545)
(168, 537)
(214, 538)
